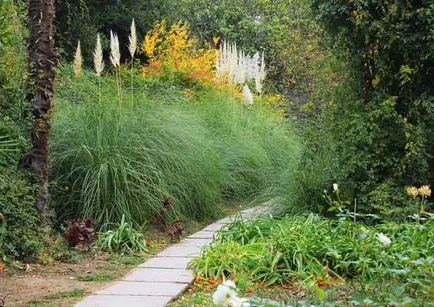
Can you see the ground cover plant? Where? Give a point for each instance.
(317, 253)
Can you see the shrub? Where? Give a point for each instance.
(80, 233)
(19, 235)
(176, 50)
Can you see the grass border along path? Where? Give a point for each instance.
(161, 279)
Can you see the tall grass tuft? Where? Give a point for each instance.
(115, 160)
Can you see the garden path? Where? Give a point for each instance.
(161, 279)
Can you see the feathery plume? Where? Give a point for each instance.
(97, 57)
(115, 55)
(133, 39)
(78, 60)
(248, 96)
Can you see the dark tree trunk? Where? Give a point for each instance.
(42, 63)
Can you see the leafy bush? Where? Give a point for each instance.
(19, 234)
(195, 144)
(123, 238)
(305, 248)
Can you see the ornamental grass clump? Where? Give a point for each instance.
(109, 159)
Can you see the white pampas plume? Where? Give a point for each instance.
(248, 96)
(115, 55)
(133, 39)
(98, 61)
(78, 60)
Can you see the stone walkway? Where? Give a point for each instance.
(163, 278)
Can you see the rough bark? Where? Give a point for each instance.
(42, 63)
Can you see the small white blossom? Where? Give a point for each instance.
(226, 296)
(224, 292)
(383, 239)
(335, 187)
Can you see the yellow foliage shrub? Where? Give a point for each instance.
(175, 49)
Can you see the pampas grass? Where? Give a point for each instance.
(78, 60)
(115, 59)
(132, 47)
(116, 160)
(240, 67)
(98, 63)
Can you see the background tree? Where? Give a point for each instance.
(284, 30)
(82, 19)
(381, 120)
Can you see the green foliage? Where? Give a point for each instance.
(303, 249)
(13, 65)
(122, 238)
(182, 139)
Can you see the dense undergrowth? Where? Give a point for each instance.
(180, 138)
(19, 233)
(318, 252)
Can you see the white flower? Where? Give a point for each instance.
(224, 293)
(335, 187)
(226, 296)
(383, 239)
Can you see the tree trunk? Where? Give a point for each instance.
(42, 64)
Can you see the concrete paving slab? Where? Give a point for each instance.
(161, 279)
(202, 235)
(196, 242)
(213, 227)
(130, 301)
(144, 288)
(166, 263)
(181, 250)
(160, 275)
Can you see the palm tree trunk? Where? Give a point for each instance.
(42, 59)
